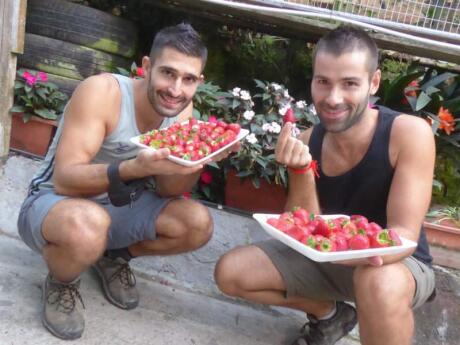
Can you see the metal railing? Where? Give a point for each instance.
(433, 17)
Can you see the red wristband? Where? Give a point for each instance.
(313, 166)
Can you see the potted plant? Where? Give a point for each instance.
(37, 106)
(442, 226)
(254, 180)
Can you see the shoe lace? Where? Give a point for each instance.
(65, 296)
(125, 274)
(310, 330)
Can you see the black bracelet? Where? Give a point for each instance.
(122, 193)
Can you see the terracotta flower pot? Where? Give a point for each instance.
(33, 136)
(444, 234)
(241, 193)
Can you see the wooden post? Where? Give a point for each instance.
(12, 28)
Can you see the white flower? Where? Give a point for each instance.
(275, 127)
(312, 109)
(301, 104)
(251, 138)
(236, 91)
(266, 127)
(282, 110)
(248, 115)
(286, 94)
(275, 86)
(245, 96)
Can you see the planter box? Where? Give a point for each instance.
(32, 137)
(241, 193)
(445, 234)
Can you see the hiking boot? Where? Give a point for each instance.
(327, 332)
(118, 282)
(62, 315)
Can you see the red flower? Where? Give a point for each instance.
(446, 120)
(410, 93)
(206, 177)
(140, 72)
(187, 195)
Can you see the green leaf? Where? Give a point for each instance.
(17, 109)
(422, 100)
(46, 114)
(260, 83)
(437, 80)
(395, 90)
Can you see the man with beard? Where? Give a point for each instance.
(98, 200)
(373, 162)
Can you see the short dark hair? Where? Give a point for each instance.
(345, 39)
(181, 37)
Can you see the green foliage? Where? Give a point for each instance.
(262, 114)
(35, 95)
(434, 95)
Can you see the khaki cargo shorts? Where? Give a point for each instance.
(326, 281)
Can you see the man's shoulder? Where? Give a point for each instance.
(99, 84)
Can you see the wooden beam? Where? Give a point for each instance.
(292, 26)
(12, 27)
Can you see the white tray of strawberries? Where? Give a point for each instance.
(329, 238)
(192, 142)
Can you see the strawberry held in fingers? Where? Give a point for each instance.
(289, 116)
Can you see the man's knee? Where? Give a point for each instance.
(197, 223)
(225, 276)
(83, 225)
(388, 288)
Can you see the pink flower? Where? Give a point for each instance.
(212, 119)
(140, 72)
(30, 79)
(42, 76)
(187, 195)
(206, 177)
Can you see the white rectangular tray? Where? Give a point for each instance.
(243, 132)
(316, 255)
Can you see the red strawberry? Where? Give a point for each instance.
(326, 245)
(296, 232)
(358, 242)
(310, 241)
(322, 228)
(273, 222)
(373, 228)
(379, 239)
(395, 240)
(289, 116)
(301, 214)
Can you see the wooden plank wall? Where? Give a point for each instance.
(12, 28)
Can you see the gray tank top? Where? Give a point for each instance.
(116, 146)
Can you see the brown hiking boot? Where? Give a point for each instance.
(118, 282)
(62, 315)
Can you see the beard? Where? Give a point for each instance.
(351, 118)
(155, 101)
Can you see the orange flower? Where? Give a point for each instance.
(446, 120)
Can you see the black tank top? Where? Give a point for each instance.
(364, 189)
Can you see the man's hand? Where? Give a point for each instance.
(291, 151)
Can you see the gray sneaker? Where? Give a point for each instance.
(62, 315)
(327, 332)
(118, 282)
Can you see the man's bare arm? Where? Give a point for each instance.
(411, 188)
(87, 121)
